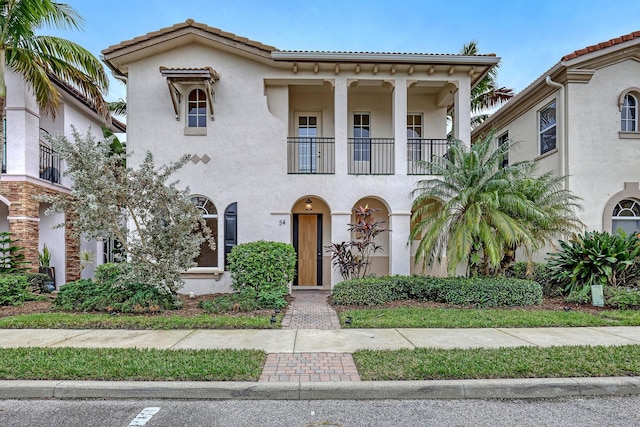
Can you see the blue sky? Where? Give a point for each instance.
(529, 36)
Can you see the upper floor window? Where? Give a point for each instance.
(503, 139)
(414, 135)
(547, 128)
(629, 114)
(362, 133)
(197, 109)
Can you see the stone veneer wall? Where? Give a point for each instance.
(25, 228)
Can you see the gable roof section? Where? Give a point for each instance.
(602, 45)
(578, 66)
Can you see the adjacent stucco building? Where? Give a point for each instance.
(580, 120)
(286, 143)
(32, 168)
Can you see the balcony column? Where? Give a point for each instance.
(462, 111)
(399, 251)
(400, 125)
(341, 123)
(339, 233)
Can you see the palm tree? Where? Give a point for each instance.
(42, 61)
(476, 208)
(486, 94)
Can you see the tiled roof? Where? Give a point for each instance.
(602, 45)
(188, 23)
(379, 53)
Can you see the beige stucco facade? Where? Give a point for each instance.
(601, 163)
(250, 152)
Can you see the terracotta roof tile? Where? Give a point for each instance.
(602, 45)
(186, 24)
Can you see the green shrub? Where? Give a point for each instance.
(365, 291)
(539, 273)
(14, 289)
(111, 292)
(623, 298)
(11, 255)
(478, 291)
(488, 291)
(238, 301)
(595, 258)
(265, 268)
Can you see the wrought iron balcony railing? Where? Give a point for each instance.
(311, 155)
(371, 156)
(50, 164)
(423, 150)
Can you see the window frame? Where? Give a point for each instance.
(362, 148)
(542, 131)
(414, 152)
(307, 154)
(634, 209)
(200, 115)
(501, 140)
(202, 202)
(625, 113)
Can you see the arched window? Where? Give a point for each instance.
(197, 109)
(207, 257)
(626, 216)
(629, 114)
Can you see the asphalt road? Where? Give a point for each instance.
(608, 411)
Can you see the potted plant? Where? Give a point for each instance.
(44, 263)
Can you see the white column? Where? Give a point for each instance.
(400, 125)
(340, 108)
(400, 251)
(462, 112)
(339, 233)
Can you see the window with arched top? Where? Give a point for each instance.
(207, 257)
(629, 114)
(197, 109)
(626, 216)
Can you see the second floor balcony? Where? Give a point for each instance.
(365, 156)
(50, 164)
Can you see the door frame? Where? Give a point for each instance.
(296, 232)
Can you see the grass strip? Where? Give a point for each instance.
(105, 321)
(130, 364)
(515, 362)
(417, 317)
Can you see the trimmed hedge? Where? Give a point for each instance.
(538, 272)
(14, 289)
(477, 291)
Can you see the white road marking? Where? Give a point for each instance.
(143, 417)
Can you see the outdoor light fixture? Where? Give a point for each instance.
(307, 205)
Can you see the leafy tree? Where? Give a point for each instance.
(486, 208)
(44, 60)
(160, 229)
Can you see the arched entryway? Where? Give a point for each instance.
(311, 232)
(380, 261)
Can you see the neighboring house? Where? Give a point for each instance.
(286, 144)
(32, 168)
(579, 119)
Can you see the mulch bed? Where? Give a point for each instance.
(189, 308)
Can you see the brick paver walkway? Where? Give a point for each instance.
(310, 310)
(305, 367)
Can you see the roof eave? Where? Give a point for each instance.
(384, 58)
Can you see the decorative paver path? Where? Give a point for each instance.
(310, 310)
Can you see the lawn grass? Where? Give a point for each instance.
(516, 362)
(130, 364)
(105, 321)
(418, 317)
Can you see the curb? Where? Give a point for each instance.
(528, 388)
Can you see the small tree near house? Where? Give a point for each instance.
(353, 259)
(160, 229)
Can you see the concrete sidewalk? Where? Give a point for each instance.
(304, 342)
(316, 341)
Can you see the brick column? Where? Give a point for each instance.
(24, 221)
(72, 250)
